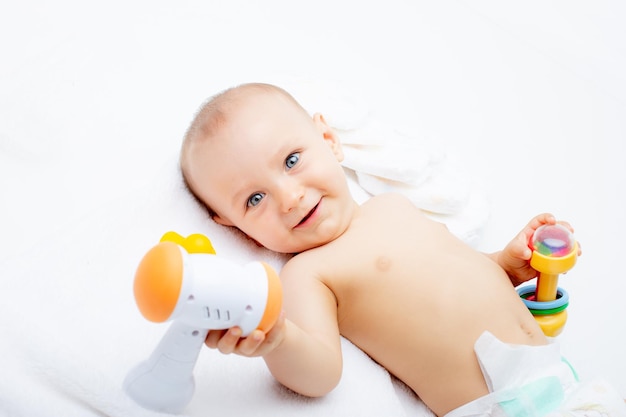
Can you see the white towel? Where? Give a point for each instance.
(384, 158)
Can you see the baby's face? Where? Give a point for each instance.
(274, 173)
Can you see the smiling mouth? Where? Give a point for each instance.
(308, 216)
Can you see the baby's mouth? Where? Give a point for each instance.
(309, 214)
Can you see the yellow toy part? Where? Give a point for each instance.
(550, 268)
(194, 243)
(554, 252)
(552, 324)
(550, 315)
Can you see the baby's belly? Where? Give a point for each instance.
(434, 356)
(423, 329)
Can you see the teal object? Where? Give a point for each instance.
(535, 399)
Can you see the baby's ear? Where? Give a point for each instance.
(329, 135)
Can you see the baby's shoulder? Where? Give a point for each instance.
(308, 261)
(390, 201)
(320, 262)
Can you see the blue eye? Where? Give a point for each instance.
(255, 199)
(292, 160)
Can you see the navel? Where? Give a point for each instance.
(532, 333)
(383, 263)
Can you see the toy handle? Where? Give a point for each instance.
(547, 287)
(165, 381)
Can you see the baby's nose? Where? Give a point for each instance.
(291, 193)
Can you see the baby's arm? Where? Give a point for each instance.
(302, 351)
(515, 257)
(309, 359)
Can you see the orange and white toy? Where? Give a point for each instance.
(182, 280)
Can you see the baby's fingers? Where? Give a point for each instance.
(228, 342)
(213, 338)
(566, 225)
(250, 344)
(541, 219)
(519, 248)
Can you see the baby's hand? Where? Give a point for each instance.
(257, 343)
(515, 258)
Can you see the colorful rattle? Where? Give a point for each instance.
(554, 252)
(181, 279)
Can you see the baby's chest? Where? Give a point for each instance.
(378, 252)
(386, 273)
(378, 290)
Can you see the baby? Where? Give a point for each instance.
(398, 285)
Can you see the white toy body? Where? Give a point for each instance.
(200, 292)
(218, 294)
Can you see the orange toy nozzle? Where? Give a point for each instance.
(158, 281)
(274, 304)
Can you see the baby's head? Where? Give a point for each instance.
(261, 163)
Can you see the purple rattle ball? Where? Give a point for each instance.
(553, 241)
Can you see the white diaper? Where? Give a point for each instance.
(535, 381)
